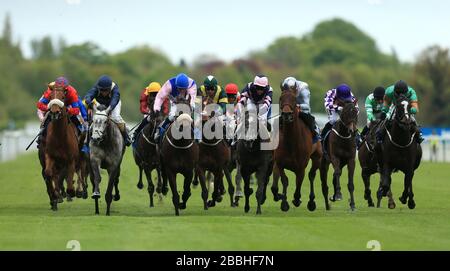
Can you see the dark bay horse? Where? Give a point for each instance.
(368, 161)
(147, 158)
(179, 154)
(60, 150)
(400, 151)
(340, 152)
(106, 151)
(253, 159)
(214, 156)
(295, 148)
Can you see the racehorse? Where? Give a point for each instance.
(214, 156)
(400, 151)
(179, 155)
(253, 159)
(340, 147)
(60, 150)
(368, 161)
(147, 157)
(294, 150)
(106, 151)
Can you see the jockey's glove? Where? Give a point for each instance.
(413, 110)
(108, 110)
(340, 108)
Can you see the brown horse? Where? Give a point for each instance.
(147, 157)
(369, 165)
(214, 156)
(61, 150)
(295, 148)
(341, 151)
(179, 155)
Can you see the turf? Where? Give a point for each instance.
(27, 223)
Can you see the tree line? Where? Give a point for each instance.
(334, 52)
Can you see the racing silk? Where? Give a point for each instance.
(389, 97)
(111, 100)
(220, 97)
(265, 99)
(373, 107)
(144, 107)
(330, 99)
(70, 101)
(83, 110)
(169, 88)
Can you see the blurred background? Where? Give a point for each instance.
(363, 43)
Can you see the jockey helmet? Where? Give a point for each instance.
(153, 87)
(343, 92)
(289, 83)
(104, 83)
(378, 93)
(210, 83)
(182, 81)
(400, 87)
(61, 83)
(231, 89)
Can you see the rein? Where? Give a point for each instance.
(398, 145)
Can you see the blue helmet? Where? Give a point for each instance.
(104, 82)
(343, 92)
(182, 81)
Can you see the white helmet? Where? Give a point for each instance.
(289, 83)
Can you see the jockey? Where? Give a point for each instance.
(301, 90)
(389, 100)
(374, 106)
(179, 85)
(256, 93)
(106, 92)
(211, 89)
(150, 91)
(70, 101)
(334, 102)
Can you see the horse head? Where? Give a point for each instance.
(99, 123)
(402, 107)
(288, 102)
(56, 105)
(251, 130)
(349, 117)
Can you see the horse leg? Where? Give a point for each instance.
(216, 192)
(365, 174)
(140, 185)
(202, 180)
(274, 188)
(261, 178)
(116, 195)
(351, 185)
(238, 180)
(227, 174)
(391, 202)
(70, 173)
(188, 176)
(108, 195)
(299, 176)
(173, 186)
(408, 177)
(285, 182)
(247, 191)
(312, 175)
(324, 166)
(96, 185)
(151, 187)
(336, 182)
(385, 180)
(165, 180)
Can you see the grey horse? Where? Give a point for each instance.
(106, 151)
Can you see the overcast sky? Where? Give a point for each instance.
(227, 29)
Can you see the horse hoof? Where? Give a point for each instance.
(311, 206)
(284, 206)
(328, 208)
(402, 200)
(116, 197)
(296, 202)
(219, 199)
(158, 190)
(85, 195)
(211, 203)
(165, 190)
(63, 193)
(95, 195)
(69, 198)
(60, 200)
(236, 203)
(250, 190)
(140, 185)
(391, 205)
(151, 205)
(71, 193)
(352, 208)
(371, 204)
(79, 194)
(338, 197)
(332, 199)
(246, 209)
(258, 212)
(276, 196)
(411, 204)
(182, 205)
(195, 183)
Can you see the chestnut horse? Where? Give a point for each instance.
(295, 148)
(61, 151)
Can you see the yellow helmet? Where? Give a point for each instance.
(153, 87)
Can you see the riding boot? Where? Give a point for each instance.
(161, 128)
(123, 130)
(141, 126)
(358, 139)
(364, 131)
(419, 138)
